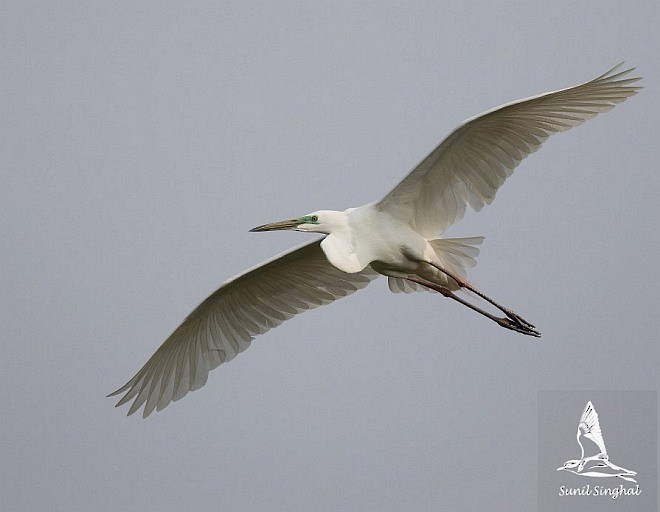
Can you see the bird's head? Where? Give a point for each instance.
(570, 464)
(322, 221)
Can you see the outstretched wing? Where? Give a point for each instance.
(590, 427)
(474, 161)
(226, 322)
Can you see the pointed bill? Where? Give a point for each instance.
(276, 226)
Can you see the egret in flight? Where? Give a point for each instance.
(398, 236)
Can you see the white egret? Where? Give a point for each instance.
(398, 237)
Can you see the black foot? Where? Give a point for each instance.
(522, 328)
(517, 319)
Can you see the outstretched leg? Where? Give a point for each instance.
(464, 284)
(508, 323)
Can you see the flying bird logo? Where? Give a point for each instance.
(598, 465)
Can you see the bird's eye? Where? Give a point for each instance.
(315, 218)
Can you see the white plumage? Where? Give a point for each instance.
(397, 237)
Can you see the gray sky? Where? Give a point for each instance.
(141, 141)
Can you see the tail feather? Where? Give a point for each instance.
(460, 253)
(454, 254)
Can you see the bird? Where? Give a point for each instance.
(598, 469)
(398, 236)
(598, 465)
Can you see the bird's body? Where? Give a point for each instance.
(363, 236)
(601, 468)
(398, 237)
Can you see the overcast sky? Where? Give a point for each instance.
(141, 141)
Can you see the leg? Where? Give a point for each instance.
(508, 323)
(464, 284)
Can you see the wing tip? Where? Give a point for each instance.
(117, 391)
(613, 75)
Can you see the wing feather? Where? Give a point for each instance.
(590, 426)
(224, 324)
(470, 165)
